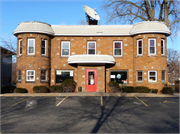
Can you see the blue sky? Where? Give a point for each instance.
(54, 12)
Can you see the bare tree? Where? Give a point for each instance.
(82, 22)
(173, 61)
(167, 11)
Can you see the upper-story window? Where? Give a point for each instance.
(162, 47)
(91, 47)
(139, 47)
(20, 46)
(43, 47)
(117, 48)
(31, 46)
(65, 48)
(152, 46)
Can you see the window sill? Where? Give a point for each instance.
(152, 82)
(164, 56)
(152, 55)
(45, 56)
(138, 56)
(138, 82)
(18, 81)
(30, 55)
(118, 56)
(163, 82)
(30, 81)
(19, 56)
(44, 81)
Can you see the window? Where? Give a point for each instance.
(30, 75)
(91, 47)
(65, 48)
(163, 75)
(152, 46)
(62, 75)
(139, 76)
(31, 46)
(43, 47)
(152, 76)
(117, 48)
(162, 46)
(20, 46)
(7, 59)
(139, 47)
(19, 75)
(43, 75)
(119, 77)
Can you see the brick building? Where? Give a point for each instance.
(92, 55)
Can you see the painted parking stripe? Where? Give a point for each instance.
(22, 101)
(61, 101)
(141, 101)
(101, 101)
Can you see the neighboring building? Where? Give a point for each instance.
(92, 55)
(6, 66)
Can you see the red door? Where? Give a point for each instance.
(91, 80)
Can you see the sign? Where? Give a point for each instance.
(58, 72)
(92, 81)
(112, 76)
(119, 76)
(71, 73)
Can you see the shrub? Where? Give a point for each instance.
(114, 86)
(40, 89)
(142, 89)
(154, 90)
(167, 90)
(7, 89)
(68, 85)
(20, 90)
(56, 88)
(128, 89)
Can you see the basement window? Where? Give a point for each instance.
(119, 76)
(62, 75)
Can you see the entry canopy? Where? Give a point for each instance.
(95, 59)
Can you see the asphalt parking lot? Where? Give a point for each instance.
(89, 114)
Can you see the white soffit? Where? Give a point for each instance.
(75, 59)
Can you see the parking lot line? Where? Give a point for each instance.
(141, 101)
(101, 101)
(61, 101)
(22, 101)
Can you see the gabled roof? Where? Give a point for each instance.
(6, 51)
(92, 30)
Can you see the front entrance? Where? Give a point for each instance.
(91, 80)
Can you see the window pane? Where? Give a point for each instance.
(163, 75)
(43, 72)
(19, 72)
(152, 50)
(31, 49)
(139, 78)
(19, 77)
(91, 51)
(65, 52)
(31, 42)
(65, 45)
(91, 45)
(117, 44)
(43, 77)
(139, 74)
(152, 73)
(140, 43)
(91, 78)
(152, 78)
(161, 43)
(63, 76)
(140, 51)
(117, 51)
(20, 50)
(30, 72)
(43, 51)
(119, 77)
(161, 50)
(43, 43)
(151, 43)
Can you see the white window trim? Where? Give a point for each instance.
(28, 47)
(114, 49)
(27, 75)
(19, 46)
(18, 75)
(163, 47)
(88, 47)
(164, 76)
(62, 49)
(138, 47)
(155, 76)
(45, 47)
(149, 45)
(45, 77)
(137, 76)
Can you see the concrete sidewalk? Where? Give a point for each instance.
(93, 94)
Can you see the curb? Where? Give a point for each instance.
(92, 94)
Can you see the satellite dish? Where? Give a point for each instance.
(91, 16)
(91, 12)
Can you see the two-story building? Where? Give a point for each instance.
(92, 55)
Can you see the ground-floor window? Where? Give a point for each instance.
(19, 75)
(163, 75)
(43, 75)
(30, 75)
(119, 76)
(139, 76)
(152, 76)
(62, 75)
